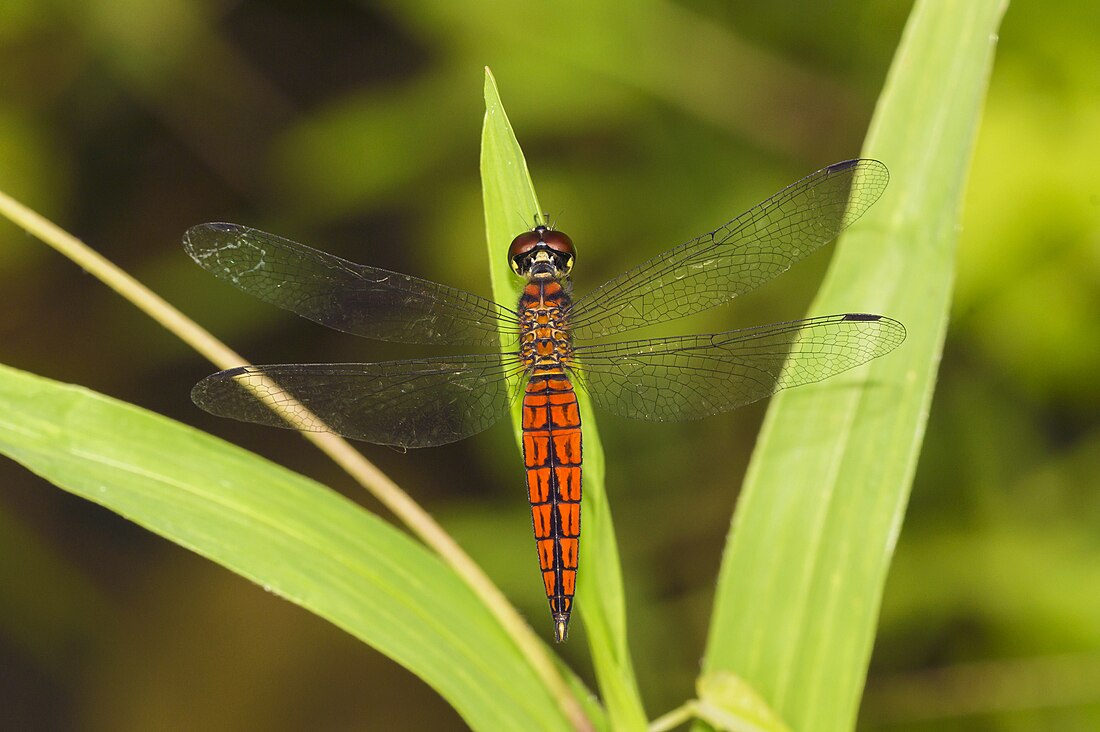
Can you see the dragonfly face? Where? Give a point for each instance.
(542, 252)
(433, 401)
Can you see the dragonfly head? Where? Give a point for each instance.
(542, 252)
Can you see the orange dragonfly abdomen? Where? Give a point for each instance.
(552, 458)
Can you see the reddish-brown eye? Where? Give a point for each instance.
(559, 242)
(522, 244)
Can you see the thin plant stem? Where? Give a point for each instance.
(408, 511)
(672, 719)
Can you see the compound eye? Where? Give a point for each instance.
(560, 243)
(520, 246)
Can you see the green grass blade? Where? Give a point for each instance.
(511, 206)
(283, 531)
(812, 539)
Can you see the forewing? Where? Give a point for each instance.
(756, 246)
(354, 298)
(417, 403)
(690, 377)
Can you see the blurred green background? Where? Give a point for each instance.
(354, 127)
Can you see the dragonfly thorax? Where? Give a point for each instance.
(544, 341)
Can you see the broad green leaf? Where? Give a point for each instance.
(283, 531)
(803, 573)
(511, 206)
(727, 703)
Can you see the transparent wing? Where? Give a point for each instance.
(417, 403)
(354, 298)
(690, 377)
(756, 246)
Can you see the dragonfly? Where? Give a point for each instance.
(556, 342)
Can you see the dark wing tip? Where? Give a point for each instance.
(201, 236)
(870, 170)
(892, 332)
(198, 393)
(842, 165)
(213, 383)
(212, 228)
(866, 163)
